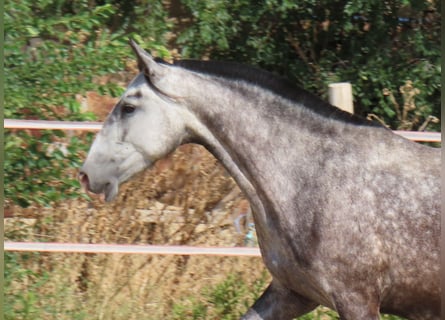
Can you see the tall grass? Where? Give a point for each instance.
(185, 199)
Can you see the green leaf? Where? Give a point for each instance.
(32, 31)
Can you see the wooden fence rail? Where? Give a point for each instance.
(131, 249)
(95, 126)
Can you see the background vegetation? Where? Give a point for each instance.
(56, 50)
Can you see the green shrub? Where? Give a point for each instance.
(372, 44)
(19, 303)
(53, 51)
(226, 301)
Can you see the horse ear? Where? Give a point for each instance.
(146, 63)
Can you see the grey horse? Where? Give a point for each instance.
(346, 212)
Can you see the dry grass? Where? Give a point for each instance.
(186, 199)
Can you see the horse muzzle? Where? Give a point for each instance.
(109, 188)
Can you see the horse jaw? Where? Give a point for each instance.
(110, 164)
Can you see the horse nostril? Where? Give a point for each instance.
(84, 181)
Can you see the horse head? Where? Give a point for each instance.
(145, 125)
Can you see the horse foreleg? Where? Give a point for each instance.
(279, 303)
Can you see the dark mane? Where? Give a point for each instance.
(274, 83)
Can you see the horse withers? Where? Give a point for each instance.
(346, 212)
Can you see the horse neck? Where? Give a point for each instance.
(263, 140)
(255, 127)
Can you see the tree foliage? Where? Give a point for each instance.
(372, 44)
(54, 49)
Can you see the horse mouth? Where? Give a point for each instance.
(106, 179)
(108, 191)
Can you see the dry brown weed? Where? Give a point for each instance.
(187, 198)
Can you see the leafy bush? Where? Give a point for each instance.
(53, 51)
(227, 300)
(372, 44)
(31, 294)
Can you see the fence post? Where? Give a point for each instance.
(340, 95)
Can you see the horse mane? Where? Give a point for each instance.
(274, 83)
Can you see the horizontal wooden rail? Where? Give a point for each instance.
(51, 125)
(131, 249)
(423, 136)
(96, 126)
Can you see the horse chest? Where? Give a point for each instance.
(285, 267)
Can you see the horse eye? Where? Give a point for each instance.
(128, 109)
